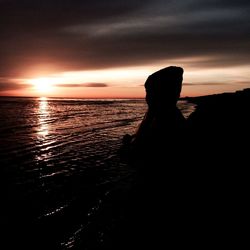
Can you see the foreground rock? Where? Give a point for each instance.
(219, 159)
(221, 125)
(199, 198)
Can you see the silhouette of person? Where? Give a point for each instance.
(163, 125)
(158, 200)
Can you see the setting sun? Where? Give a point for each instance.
(43, 84)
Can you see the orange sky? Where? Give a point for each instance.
(107, 49)
(127, 82)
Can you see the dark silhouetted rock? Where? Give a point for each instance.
(219, 139)
(221, 122)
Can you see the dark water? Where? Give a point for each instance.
(59, 163)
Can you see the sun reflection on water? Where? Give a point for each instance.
(43, 130)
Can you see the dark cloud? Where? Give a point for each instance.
(46, 15)
(78, 35)
(95, 85)
(88, 84)
(215, 4)
(204, 84)
(6, 85)
(243, 82)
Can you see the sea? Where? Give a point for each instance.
(59, 164)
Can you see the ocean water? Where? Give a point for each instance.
(59, 162)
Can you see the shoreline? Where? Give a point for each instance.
(201, 100)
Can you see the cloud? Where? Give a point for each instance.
(204, 84)
(28, 15)
(95, 85)
(78, 35)
(89, 84)
(243, 83)
(6, 85)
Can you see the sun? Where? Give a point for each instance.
(43, 84)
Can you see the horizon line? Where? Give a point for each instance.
(117, 97)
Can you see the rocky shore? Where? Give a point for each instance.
(221, 122)
(218, 158)
(224, 107)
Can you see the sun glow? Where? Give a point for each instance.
(128, 82)
(43, 84)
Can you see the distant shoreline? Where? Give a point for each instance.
(245, 93)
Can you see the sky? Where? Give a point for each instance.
(107, 48)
